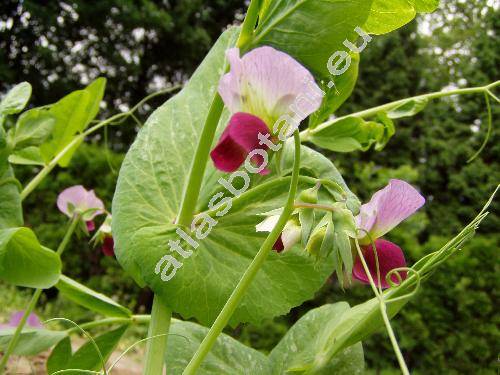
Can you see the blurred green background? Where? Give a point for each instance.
(452, 326)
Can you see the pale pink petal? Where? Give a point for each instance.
(292, 233)
(267, 83)
(388, 207)
(76, 195)
(390, 256)
(94, 203)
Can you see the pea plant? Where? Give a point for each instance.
(225, 206)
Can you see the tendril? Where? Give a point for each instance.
(94, 344)
(396, 272)
(490, 126)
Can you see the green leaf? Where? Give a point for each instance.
(32, 341)
(227, 356)
(16, 99)
(389, 130)
(409, 108)
(90, 299)
(425, 6)
(60, 356)
(11, 210)
(337, 94)
(32, 128)
(348, 134)
(302, 348)
(86, 357)
(27, 156)
(310, 30)
(388, 15)
(358, 323)
(73, 114)
(24, 262)
(147, 200)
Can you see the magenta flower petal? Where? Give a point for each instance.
(33, 321)
(90, 225)
(108, 246)
(78, 198)
(266, 82)
(390, 256)
(238, 139)
(278, 245)
(388, 207)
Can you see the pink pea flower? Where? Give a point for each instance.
(386, 209)
(33, 321)
(77, 199)
(289, 236)
(104, 237)
(261, 86)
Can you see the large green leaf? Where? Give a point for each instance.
(311, 30)
(90, 299)
(86, 357)
(32, 341)
(227, 356)
(11, 211)
(16, 99)
(72, 114)
(147, 200)
(388, 15)
(24, 262)
(302, 347)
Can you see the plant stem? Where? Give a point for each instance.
(198, 166)
(250, 273)
(80, 137)
(34, 299)
(159, 325)
(305, 135)
(383, 311)
(249, 23)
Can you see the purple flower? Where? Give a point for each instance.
(261, 86)
(108, 246)
(289, 236)
(33, 321)
(238, 139)
(390, 256)
(77, 199)
(387, 208)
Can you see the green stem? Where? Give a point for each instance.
(383, 311)
(198, 166)
(304, 135)
(249, 23)
(34, 299)
(159, 325)
(80, 137)
(250, 273)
